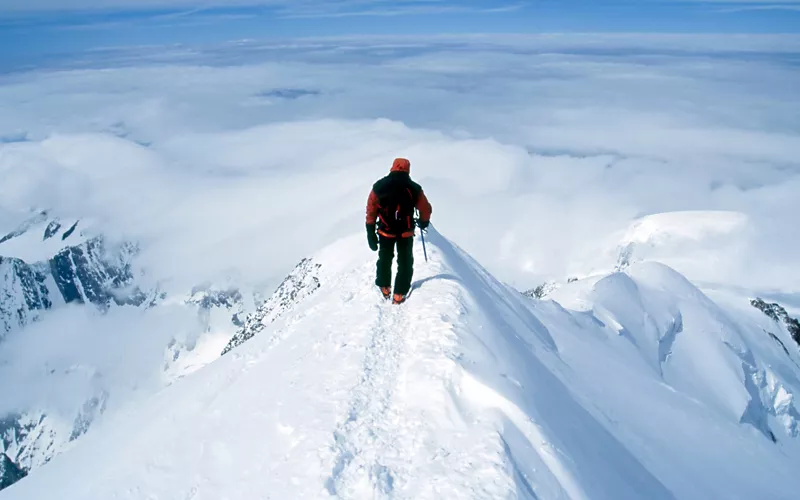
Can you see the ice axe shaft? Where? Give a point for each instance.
(424, 250)
(422, 234)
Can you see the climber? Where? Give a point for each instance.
(390, 211)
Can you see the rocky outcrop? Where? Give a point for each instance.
(52, 229)
(208, 298)
(32, 438)
(91, 410)
(39, 218)
(10, 472)
(98, 273)
(90, 273)
(541, 291)
(69, 231)
(23, 293)
(84, 273)
(779, 315)
(301, 283)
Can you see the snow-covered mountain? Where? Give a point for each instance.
(44, 265)
(690, 240)
(23, 294)
(10, 473)
(55, 388)
(43, 262)
(634, 384)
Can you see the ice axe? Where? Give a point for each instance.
(422, 234)
(424, 250)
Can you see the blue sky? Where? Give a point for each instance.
(41, 27)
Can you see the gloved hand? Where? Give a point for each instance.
(372, 237)
(423, 224)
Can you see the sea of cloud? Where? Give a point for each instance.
(229, 163)
(242, 158)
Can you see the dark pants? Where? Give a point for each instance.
(405, 263)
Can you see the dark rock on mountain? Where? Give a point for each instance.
(301, 283)
(85, 273)
(69, 231)
(23, 228)
(88, 273)
(52, 228)
(92, 409)
(10, 473)
(28, 439)
(779, 315)
(208, 298)
(541, 291)
(32, 438)
(23, 293)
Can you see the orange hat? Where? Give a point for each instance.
(401, 165)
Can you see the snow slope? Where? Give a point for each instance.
(42, 236)
(642, 387)
(706, 245)
(69, 351)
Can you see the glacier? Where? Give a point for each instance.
(626, 384)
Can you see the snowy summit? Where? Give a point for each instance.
(605, 304)
(629, 385)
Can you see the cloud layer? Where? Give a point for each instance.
(535, 151)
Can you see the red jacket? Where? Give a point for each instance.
(392, 200)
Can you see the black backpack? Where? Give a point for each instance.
(397, 195)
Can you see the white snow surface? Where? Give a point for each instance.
(633, 385)
(705, 244)
(694, 225)
(30, 246)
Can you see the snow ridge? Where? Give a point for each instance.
(357, 456)
(405, 415)
(634, 385)
(298, 285)
(26, 225)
